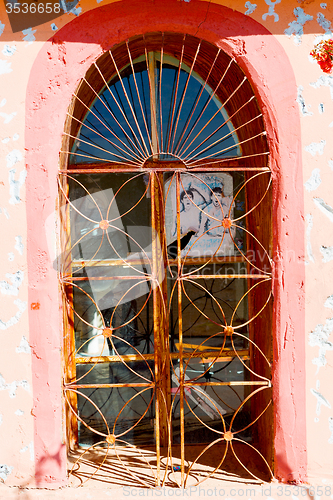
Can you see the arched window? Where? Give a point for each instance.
(165, 202)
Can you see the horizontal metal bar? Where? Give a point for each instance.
(221, 165)
(171, 262)
(160, 169)
(105, 386)
(150, 278)
(232, 382)
(221, 360)
(150, 357)
(152, 385)
(229, 276)
(140, 277)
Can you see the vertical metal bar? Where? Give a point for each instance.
(160, 92)
(69, 337)
(150, 62)
(153, 108)
(161, 337)
(180, 336)
(156, 331)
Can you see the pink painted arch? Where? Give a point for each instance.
(57, 70)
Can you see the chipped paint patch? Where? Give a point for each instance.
(13, 157)
(296, 27)
(5, 212)
(321, 108)
(19, 413)
(2, 27)
(316, 148)
(9, 50)
(271, 11)
(7, 118)
(21, 305)
(19, 245)
(77, 10)
(5, 470)
(324, 23)
(321, 400)
(324, 81)
(314, 181)
(16, 281)
(323, 5)
(251, 7)
(24, 346)
(301, 102)
(29, 35)
(327, 253)
(5, 67)
(309, 221)
(70, 7)
(330, 428)
(30, 448)
(13, 386)
(324, 207)
(329, 302)
(15, 186)
(319, 338)
(54, 27)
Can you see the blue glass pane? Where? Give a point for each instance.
(184, 121)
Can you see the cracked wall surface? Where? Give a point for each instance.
(297, 25)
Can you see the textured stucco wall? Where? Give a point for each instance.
(297, 25)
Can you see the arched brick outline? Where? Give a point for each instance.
(61, 63)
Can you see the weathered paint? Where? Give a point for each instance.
(300, 99)
(309, 221)
(296, 27)
(319, 337)
(327, 253)
(324, 207)
(316, 148)
(271, 10)
(314, 181)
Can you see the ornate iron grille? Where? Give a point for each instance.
(166, 272)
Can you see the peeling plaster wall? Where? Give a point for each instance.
(297, 25)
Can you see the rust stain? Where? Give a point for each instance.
(35, 305)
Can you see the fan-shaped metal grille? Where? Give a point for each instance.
(166, 272)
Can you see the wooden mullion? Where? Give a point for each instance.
(69, 366)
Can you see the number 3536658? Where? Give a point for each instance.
(33, 8)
